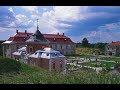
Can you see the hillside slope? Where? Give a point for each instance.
(26, 74)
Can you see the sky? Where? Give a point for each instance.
(96, 23)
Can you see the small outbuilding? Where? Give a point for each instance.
(48, 59)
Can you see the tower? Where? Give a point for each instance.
(36, 41)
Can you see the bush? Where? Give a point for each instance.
(9, 65)
(117, 65)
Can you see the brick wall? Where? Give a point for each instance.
(44, 63)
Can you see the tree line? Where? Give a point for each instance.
(85, 43)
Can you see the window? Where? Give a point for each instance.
(60, 64)
(54, 39)
(61, 46)
(7, 46)
(50, 46)
(55, 46)
(43, 47)
(69, 46)
(55, 54)
(17, 47)
(31, 49)
(66, 46)
(65, 39)
(47, 54)
(53, 65)
(66, 52)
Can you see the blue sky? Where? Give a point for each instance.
(97, 23)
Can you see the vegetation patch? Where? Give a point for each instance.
(9, 65)
(35, 75)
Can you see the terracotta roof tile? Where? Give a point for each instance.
(114, 44)
(54, 38)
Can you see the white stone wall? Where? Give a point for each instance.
(10, 48)
(66, 49)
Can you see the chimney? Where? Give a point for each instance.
(25, 31)
(16, 31)
(63, 34)
(58, 33)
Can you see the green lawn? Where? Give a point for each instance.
(99, 64)
(111, 59)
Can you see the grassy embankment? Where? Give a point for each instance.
(14, 72)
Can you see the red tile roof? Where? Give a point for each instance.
(10, 39)
(53, 38)
(114, 44)
(22, 34)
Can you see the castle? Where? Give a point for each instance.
(23, 44)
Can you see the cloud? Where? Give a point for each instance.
(44, 9)
(65, 13)
(23, 21)
(6, 17)
(97, 23)
(31, 9)
(110, 26)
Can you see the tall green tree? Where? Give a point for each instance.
(85, 42)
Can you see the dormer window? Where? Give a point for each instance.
(24, 39)
(55, 54)
(65, 39)
(47, 54)
(40, 53)
(54, 39)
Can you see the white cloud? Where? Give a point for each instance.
(110, 26)
(11, 10)
(31, 9)
(44, 27)
(66, 13)
(23, 21)
(44, 9)
(6, 29)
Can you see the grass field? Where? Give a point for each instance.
(87, 51)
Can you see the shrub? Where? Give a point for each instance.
(9, 65)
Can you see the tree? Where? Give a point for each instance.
(85, 42)
(1, 51)
(101, 47)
